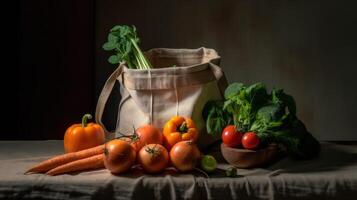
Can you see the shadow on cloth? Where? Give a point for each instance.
(332, 157)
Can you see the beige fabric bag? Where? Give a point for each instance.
(181, 83)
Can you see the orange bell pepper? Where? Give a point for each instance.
(83, 136)
(179, 128)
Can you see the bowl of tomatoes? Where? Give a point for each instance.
(244, 150)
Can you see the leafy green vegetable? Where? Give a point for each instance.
(268, 118)
(232, 90)
(216, 117)
(271, 116)
(279, 97)
(242, 103)
(123, 41)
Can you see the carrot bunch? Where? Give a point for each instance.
(92, 158)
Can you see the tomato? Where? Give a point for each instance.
(83, 136)
(250, 140)
(119, 156)
(185, 155)
(148, 134)
(131, 141)
(231, 137)
(153, 158)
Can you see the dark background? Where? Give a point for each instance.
(306, 47)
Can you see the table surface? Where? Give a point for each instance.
(333, 175)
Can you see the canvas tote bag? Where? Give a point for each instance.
(181, 83)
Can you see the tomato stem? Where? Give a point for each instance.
(85, 119)
(153, 151)
(134, 137)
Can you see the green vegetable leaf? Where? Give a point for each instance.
(109, 46)
(115, 28)
(232, 90)
(268, 113)
(280, 97)
(114, 59)
(112, 38)
(267, 118)
(308, 148)
(128, 47)
(257, 95)
(216, 118)
(126, 31)
(123, 41)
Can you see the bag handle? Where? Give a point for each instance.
(220, 77)
(103, 98)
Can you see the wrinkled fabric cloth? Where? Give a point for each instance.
(331, 176)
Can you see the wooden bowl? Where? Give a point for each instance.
(244, 158)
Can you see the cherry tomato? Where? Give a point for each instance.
(250, 140)
(231, 137)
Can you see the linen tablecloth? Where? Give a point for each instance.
(331, 176)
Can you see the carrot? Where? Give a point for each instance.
(94, 162)
(65, 158)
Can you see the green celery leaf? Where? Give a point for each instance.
(112, 38)
(114, 59)
(115, 28)
(108, 46)
(123, 41)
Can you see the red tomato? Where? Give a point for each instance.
(131, 142)
(119, 156)
(154, 158)
(148, 134)
(250, 140)
(231, 137)
(185, 155)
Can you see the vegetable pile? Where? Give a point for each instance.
(272, 116)
(123, 40)
(147, 148)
